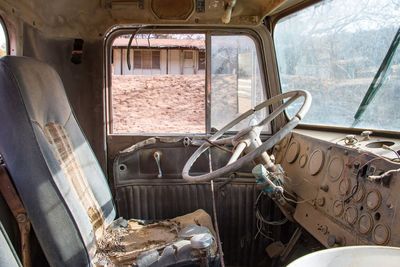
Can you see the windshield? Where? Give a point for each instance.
(340, 52)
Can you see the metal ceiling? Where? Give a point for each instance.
(92, 18)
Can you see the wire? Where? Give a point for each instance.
(294, 201)
(391, 149)
(377, 177)
(214, 205)
(355, 188)
(218, 146)
(261, 232)
(261, 218)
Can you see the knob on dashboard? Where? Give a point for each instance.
(324, 187)
(335, 241)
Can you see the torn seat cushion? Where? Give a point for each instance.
(158, 244)
(59, 180)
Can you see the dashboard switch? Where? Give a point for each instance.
(323, 229)
(324, 187)
(366, 135)
(350, 139)
(335, 241)
(321, 201)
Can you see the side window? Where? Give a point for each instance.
(3, 39)
(164, 91)
(236, 84)
(347, 54)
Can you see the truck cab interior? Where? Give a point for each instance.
(199, 133)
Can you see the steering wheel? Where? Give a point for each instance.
(248, 140)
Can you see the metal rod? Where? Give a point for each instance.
(216, 226)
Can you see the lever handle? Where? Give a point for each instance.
(157, 157)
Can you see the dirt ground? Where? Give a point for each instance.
(158, 104)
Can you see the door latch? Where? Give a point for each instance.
(157, 157)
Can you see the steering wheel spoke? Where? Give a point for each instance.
(223, 141)
(238, 150)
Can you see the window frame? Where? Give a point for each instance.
(208, 31)
(202, 65)
(271, 22)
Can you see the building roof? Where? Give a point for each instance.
(161, 43)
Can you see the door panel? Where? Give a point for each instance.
(140, 194)
(236, 218)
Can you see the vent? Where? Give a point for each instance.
(115, 3)
(172, 9)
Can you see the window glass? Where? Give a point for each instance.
(137, 59)
(335, 49)
(188, 55)
(146, 59)
(164, 92)
(3, 41)
(236, 80)
(155, 64)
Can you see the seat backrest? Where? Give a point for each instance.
(51, 163)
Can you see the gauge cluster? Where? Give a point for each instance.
(338, 202)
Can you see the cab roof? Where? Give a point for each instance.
(92, 18)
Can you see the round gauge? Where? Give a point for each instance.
(292, 152)
(381, 234)
(335, 169)
(365, 223)
(338, 208)
(351, 214)
(316, 162)
(344, 186)
(303, 161)
(374, 200)
(359, 195)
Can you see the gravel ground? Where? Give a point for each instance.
(158, 104)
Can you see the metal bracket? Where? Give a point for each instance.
(157, 157)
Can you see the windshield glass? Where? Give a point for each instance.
(334, 50)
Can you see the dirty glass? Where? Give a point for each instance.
(334, 50)
(164, 90)
(236, 84)
(3, 40)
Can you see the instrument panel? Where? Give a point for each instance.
(338, 203)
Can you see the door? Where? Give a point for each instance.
(188, 62)
(156, 122)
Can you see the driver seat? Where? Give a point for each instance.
(54, 170)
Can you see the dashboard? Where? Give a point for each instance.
(343, 198)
